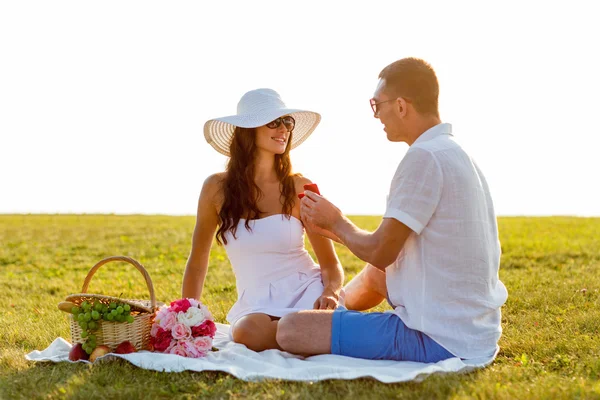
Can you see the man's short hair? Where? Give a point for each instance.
(415, 80)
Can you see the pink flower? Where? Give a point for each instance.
(207, 328)
(167, 321)
(178, 349)
(154, 329)
(181, 331)
(206, 312)
(202, 343)
(192, 350)
(180, 305)
(162, 311)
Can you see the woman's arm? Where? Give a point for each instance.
(207, 221)
(332, 272)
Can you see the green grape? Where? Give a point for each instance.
(105, 316)
(81, 317)
(88, 317)
(84, 334)
(95, 315)
(110, 317)
(85, 304)
(112, 305)
(127, 307)
(88, 350)
(83, 325)
(98, 306)
(92, 325)
(104, 308)
(120, 310)
(75, 310)
(114, 313)
(92, 337)
(130, 319)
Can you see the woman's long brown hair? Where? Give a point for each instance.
(240, 192)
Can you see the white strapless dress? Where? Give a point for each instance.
(274, 273)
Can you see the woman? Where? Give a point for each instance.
(254, 209)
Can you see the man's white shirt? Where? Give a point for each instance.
(445, 281)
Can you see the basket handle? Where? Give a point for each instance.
(129, 260)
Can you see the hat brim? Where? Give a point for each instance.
(218, 132)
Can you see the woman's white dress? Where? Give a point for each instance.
(274, 273)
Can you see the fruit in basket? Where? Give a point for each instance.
(99, 352)
(89, 316)
(125, 347)
(77, 353)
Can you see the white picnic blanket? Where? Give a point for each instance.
(249, 365)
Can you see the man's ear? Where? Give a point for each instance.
(401, 107)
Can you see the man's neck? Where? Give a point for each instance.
(423, 125)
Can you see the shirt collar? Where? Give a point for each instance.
(435, 131)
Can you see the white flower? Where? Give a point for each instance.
(192, 317)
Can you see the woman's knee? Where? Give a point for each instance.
(251, 330)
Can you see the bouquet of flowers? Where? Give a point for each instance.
(186, 328)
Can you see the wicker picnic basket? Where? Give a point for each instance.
(110, 333)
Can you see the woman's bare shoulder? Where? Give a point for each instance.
(300, 181)
(213, 183)
(215, 179)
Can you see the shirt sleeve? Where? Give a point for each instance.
(415, 190)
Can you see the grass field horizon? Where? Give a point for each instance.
(550, 346)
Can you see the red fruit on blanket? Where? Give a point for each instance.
(312, 187)
(78, 353)
(99, 352)
(125, 347)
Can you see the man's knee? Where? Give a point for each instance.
(286, 331)
(375, 280)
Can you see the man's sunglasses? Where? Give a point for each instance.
(288, 122)
(375, 104)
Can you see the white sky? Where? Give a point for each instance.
(102, 103)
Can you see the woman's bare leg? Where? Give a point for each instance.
(256, 331)
(366, 290)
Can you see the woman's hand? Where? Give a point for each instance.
(329, 300)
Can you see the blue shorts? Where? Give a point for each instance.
(381, 336)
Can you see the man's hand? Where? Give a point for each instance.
(329, 300)
(318, 212)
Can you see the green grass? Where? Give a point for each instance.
(550, 347)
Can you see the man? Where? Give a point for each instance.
(435, 254)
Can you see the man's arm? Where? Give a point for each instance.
(379, 248)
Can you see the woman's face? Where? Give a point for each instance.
(274, 136)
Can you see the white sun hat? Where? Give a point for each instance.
(257, 108)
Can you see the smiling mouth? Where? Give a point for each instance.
(279, 140)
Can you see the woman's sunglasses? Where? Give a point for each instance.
(288, 122)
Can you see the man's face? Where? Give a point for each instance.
(388, 111)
